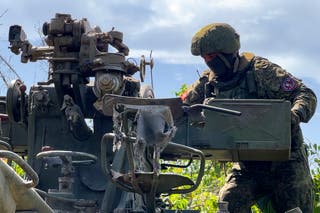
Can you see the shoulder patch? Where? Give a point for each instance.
(289, 84)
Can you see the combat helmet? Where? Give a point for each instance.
(216, 37)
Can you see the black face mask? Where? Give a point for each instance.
(221, 71)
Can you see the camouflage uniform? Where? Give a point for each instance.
(287, 184)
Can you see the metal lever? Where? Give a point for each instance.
(211, 108)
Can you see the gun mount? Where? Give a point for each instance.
(144, 133)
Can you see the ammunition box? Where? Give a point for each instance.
(261, 133)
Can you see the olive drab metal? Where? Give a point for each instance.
(97, 140)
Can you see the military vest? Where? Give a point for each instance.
(241, 86)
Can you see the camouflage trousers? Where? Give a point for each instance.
(287, 184)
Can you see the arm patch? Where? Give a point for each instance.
(289, 84)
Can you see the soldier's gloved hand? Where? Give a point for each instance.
(295, 118)
(196, 116)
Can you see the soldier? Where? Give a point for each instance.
(287, 184)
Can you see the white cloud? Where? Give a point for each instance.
(190, 13)
(298, 65)
(169, 57)
(273, 28)
(170, 13)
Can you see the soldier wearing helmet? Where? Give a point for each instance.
(286, 184)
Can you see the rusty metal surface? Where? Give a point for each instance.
(175, 104)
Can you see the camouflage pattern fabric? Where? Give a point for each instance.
(289, 183)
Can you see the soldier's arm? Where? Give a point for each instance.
(196, 92)
(304, 103)
(275, 82)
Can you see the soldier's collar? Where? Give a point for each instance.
(245, 60)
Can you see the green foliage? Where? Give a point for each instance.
(18, 169)
(15, 167)
(182, 89)
(314, 161)
(255, 209)
(205, 197)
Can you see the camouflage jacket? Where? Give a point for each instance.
(257, 78)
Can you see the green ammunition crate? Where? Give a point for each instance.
(261, 133)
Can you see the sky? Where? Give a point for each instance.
(286, 32)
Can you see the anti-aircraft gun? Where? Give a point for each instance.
(51, 117)
(73, 167)
(116, 166)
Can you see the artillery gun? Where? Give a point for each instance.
(48, 127)
(115, 166)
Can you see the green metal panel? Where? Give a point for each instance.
(262, 132)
